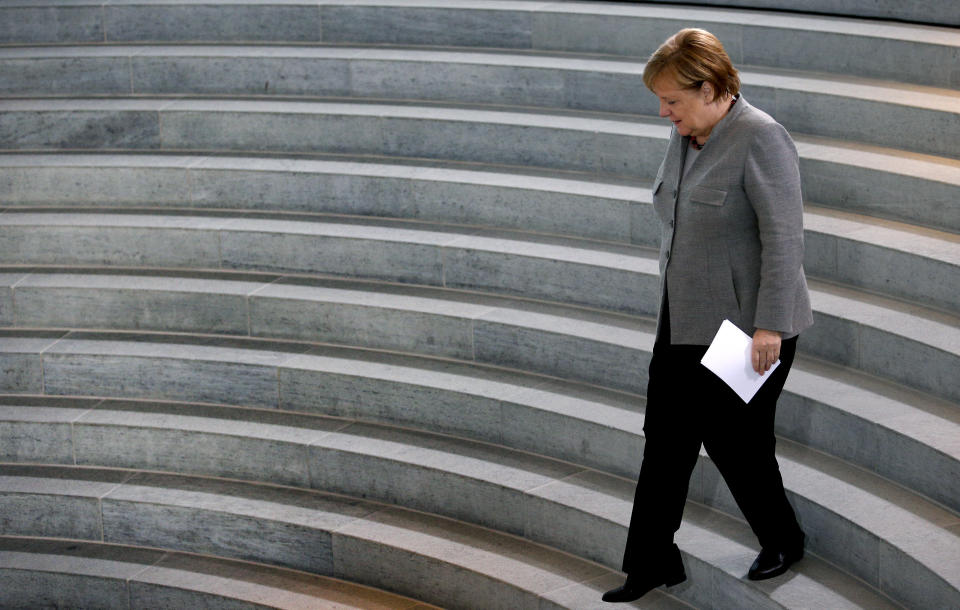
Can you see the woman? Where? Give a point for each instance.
(728, 198)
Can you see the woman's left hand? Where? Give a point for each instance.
(765, 349)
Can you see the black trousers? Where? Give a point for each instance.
(687, 405)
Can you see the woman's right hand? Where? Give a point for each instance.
(765, 349)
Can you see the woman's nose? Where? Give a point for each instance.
(664, 111)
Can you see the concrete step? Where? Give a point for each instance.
(457, 193)
(893, 51)
(505, 407)
(853, 329)
(595, 274)
(591, 508)
(468, 399)
(831, 410)
(38, 572)
(908, 344)
(902, 435)
(935, 11)
(878, 256)
(914, 118)
(448, 563)
(617, 28)
(882, 256)
(594, 145)
(882, 182)
(581, 511)
(565, 342)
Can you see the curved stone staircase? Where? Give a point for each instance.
(339, 304)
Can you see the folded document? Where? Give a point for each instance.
(729, 358)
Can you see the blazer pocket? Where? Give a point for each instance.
(708, 196)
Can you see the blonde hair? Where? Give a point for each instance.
(694, 56)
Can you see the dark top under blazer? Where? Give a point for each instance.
(732, 231)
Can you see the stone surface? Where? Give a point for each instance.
(40, 589)
(908, 344)
(53, 502)
(431, 25)
(861, 54)
(456, 479)
(79, 129)
(7, 283)
(358, 323)
(564, 355)
(28, 434)
(142, 578)
(225, 75)
(228, 521)
(64, 76)
(928, 11)
(443, 557)
(899, 274)
(165, 371)
(586, 513)
(351, 388)
(235, 444)
(931, 369)
(877, 182)
(51, 23)
(598, 430)
(96, 184)
(611, 280)
(925, 125)
(235, 22)
(107, 240)
(924, 54)
(342, 255)
(440, 194)
(133, 303)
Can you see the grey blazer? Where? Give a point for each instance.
(732, 231)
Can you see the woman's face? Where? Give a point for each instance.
(688, 109)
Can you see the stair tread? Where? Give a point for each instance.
(508, 559)
(706, 534)
(884, 159)
(895, 514)
(558, 248)
(230, 579)
(851, 26)
(386, 167)
(929, 243)
(912, 322)
(902, 163)
(909, 320)
(890, 92)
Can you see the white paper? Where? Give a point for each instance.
(729, 358)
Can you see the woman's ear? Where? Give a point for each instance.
(707, 90)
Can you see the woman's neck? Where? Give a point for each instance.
(722, 106)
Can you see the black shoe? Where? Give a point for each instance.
(637, 587)
(770, 563)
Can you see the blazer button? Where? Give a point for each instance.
(670, 224)
(674, 194)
